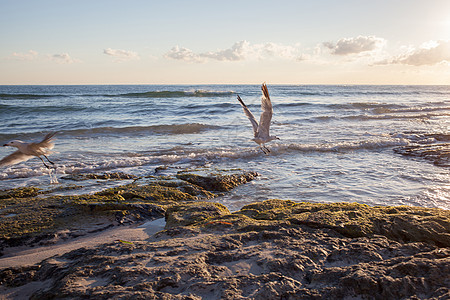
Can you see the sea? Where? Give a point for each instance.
(376, 145)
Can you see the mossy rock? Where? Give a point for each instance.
(193, 213)
(401, 223)
(154, 193)
(23, 214)
(218, 182)
(187, 187)
(268, 210)
(27, 216)
(21, 192)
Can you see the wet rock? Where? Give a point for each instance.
(434, 147)
(160, 192)
(191, 213)
(275, 249)
(104, 176)
(279, 263)
(161, 168)
(218, 182)
(22, 192)
(27, 219)
(437, 154)
(402, 223)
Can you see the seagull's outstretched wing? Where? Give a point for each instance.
(14, 158)
(249, 115)
(266, 114)
(43, 146)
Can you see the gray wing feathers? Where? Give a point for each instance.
(266, 115)
(249, 115)
(47, 142)
(43, 146)
(14, 158)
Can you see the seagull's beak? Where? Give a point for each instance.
(5, 145)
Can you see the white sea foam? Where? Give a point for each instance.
(194, 156)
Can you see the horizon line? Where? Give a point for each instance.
(194, 84)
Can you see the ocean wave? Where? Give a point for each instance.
(13, 96)
(292, 104)
(373, 144)
(174, 94)
(353, 93)
(385, 91)
(366, 105)
(366, 117)
(192, 155)
(391, 107)
(384, 110)
(171, 129)
(43, 109)
(85, 163)
(424, 137)
(149, 94)
(187, 128)
(180, 155)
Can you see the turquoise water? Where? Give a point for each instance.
(338, 143)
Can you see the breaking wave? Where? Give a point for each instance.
(149, 94)
(188, 128)
(13, 96)
(175, 94)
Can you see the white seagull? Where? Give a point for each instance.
(29, 150)
(261, 131)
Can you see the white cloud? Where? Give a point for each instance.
(121, 55)
(239, 51)
(30, 55)
(182, 53)
(430, 53)
(63, 58)
(282, 51)
(355, 45)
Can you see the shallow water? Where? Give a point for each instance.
(337, 143)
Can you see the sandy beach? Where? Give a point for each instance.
(185, 248)
(26, 256)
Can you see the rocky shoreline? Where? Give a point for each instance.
(275, 249)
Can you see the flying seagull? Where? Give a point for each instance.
(261, 131)
(29, 150)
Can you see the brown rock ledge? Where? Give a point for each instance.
(275, 249)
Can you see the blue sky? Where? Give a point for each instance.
(196, 42)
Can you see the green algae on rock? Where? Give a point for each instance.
(255, 253)
(402, 223)
(218, 182)
(22, 192)
(192, 213)
(25, 216)
(161, 192)
(271, 249)
(32, 218)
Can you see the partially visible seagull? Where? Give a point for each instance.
(29, 150)
(261, 131)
